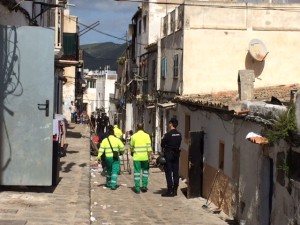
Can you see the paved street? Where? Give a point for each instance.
(123, 206)
(80, 197)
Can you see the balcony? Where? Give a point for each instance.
(71, 54)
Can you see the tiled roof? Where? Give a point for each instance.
(230, 99)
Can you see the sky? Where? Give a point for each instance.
(114, 18)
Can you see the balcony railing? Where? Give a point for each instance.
(70, 46)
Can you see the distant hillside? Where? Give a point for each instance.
(102, 54)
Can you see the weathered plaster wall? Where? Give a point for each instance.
(170, 46)
(216, 131)
(14, 18)
(286, 197)
(216, 47)
(241, 188)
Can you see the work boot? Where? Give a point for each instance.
(168, 193)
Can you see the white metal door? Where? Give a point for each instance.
(26, 105)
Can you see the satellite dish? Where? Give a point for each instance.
(258, 50)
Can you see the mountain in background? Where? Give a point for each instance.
(99, 55)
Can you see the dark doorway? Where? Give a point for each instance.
(195, 164)
(266, 191)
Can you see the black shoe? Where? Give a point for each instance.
(144, 189)
(113, 188)
(175, 192)
(168, 194)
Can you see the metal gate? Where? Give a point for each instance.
(26, 105)
(195, 163)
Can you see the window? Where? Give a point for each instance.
(187, 126)
(144, 23)
(172, 23)
(180, 18)
(140, 27)
(165, 26)
(145, 87)
(175, 66)
(70, 46)
(163, 68)
(221, 155)
(153, 68)
(91, 84)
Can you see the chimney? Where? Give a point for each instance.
(246, 79)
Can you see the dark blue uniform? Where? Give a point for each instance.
(171, 147)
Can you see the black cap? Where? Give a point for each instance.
(174, 122)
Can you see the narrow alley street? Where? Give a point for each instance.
(80, 197)
(124, 206)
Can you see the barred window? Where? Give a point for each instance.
(175, 66)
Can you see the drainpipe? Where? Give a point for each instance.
(157, 112)
(297, 103)
(236, 209)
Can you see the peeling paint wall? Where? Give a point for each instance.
(242, 187)
(216, 130)
(286, 198)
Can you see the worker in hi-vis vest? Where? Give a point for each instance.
(140, 148)
(112, 147)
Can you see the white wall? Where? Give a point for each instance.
(109, 89)
(215, 48)
(243, 160)
(89, 97)
(215, 129)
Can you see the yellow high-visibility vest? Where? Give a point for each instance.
(140, 144)
(116, 144)
(118, 132)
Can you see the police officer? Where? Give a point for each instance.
(171, 147)
(108, 146)
(140, 148)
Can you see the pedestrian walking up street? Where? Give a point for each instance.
(112, 147)
(140, 148)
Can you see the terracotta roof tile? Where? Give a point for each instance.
(229, 100)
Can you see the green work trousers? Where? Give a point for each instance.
(112, 171)
(138, 167)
